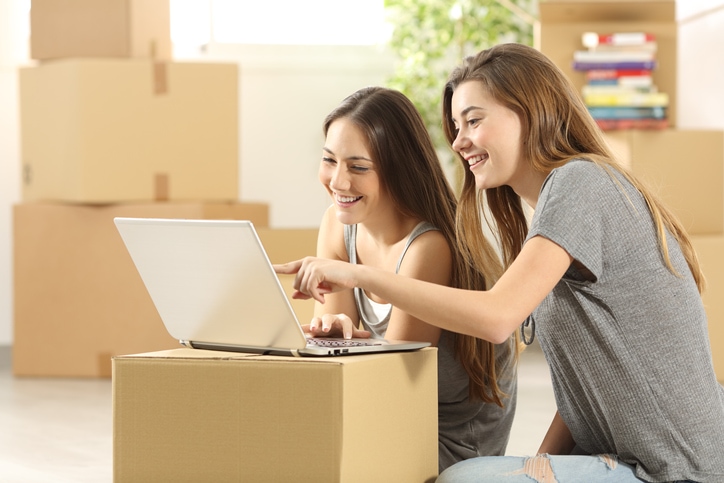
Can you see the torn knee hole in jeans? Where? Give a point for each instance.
(539, 468)
(611, 460)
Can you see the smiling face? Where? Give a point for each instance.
(488, 136)
(349, 174)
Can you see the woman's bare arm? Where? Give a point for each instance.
(490, 315)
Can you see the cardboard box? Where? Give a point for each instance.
(78, 299)
(710, 250)
(106, 131)
(191, 415)
(562, 22)
(286, 245)
(100, 28)
(686, 169)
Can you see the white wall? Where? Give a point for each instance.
(701, 65)
(13, 28)
(285, 93)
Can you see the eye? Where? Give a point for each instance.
(328, 160)
(473, 121)
(359, 169)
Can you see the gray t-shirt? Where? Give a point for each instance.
(466, 429)
(625, 338)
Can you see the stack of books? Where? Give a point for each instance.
(619, 90)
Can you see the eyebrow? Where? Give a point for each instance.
(466, 111)
(470, 108)
(352, 158)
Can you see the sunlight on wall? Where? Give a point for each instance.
(15, 25)
(281, 22)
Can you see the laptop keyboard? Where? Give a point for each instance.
(322, 342)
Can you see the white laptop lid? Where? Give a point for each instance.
(212, 284)
(214, 287)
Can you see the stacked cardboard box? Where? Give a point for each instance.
(684, 166)
(108, 117)
(110, 126)
(100, 28)
(128, 130)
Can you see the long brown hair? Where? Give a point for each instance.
(410, 172)
(556, 128)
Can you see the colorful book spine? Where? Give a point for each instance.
(639, 83)
(633, 99)
(628, 65)
(623, 78)
(616, 74)
(619, 39)
(618, 124)
(612, 56)
(626, 38)
(627, 112)
(594, 88)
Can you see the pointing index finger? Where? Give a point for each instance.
(287, 268)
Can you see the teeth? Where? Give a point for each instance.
(476, 159)
(347, 199)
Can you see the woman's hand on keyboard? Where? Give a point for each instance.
(334, 325)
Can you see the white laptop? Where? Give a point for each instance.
(215, 288)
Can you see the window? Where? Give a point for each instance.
(280, 22)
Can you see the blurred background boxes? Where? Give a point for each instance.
(710, 250)
(110, 130)
(193, 415)
(684, 166)
(100, 28)
(78, 297)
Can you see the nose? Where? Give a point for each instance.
(340, 179)
(460, 142)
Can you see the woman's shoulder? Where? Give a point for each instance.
(579, 174)
(578, 168)
(425, 242)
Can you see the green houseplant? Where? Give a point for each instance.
(429, 37)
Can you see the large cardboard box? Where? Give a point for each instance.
(562, 23)
(116, 130)
(710, 250)
(78, 298)
(191, 415)
(100, 28)
(685, 167)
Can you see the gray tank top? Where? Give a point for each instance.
(466, 429)
(376, 316)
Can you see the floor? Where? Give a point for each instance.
(60, 430)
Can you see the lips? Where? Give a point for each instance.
(347, 200)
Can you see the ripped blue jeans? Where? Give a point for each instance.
(540, 469)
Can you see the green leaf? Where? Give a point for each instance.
(430, 37)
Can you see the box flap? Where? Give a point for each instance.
(554, 11)
(210, 355)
